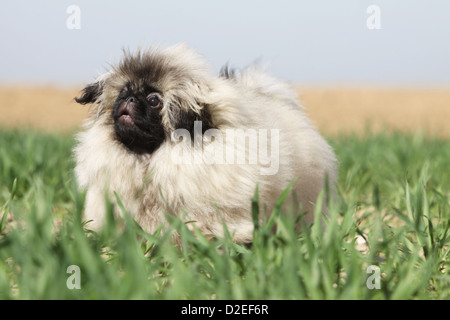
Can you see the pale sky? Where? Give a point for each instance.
(321, 42)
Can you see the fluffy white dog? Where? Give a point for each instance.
(169, 137)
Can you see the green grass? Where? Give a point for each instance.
(394, 192)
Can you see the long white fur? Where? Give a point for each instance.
(152, 185)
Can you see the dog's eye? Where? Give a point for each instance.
(154, 100)
(123, 93)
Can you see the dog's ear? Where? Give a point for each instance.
(185, 119)
(188, 106)
(90, 93)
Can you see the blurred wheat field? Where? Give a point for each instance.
(332, 110)
(337, 111)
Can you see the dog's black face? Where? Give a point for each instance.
(146, 97)
(137, 119)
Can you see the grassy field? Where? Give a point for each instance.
(387, 234)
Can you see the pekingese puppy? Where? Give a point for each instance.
(169, 138)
